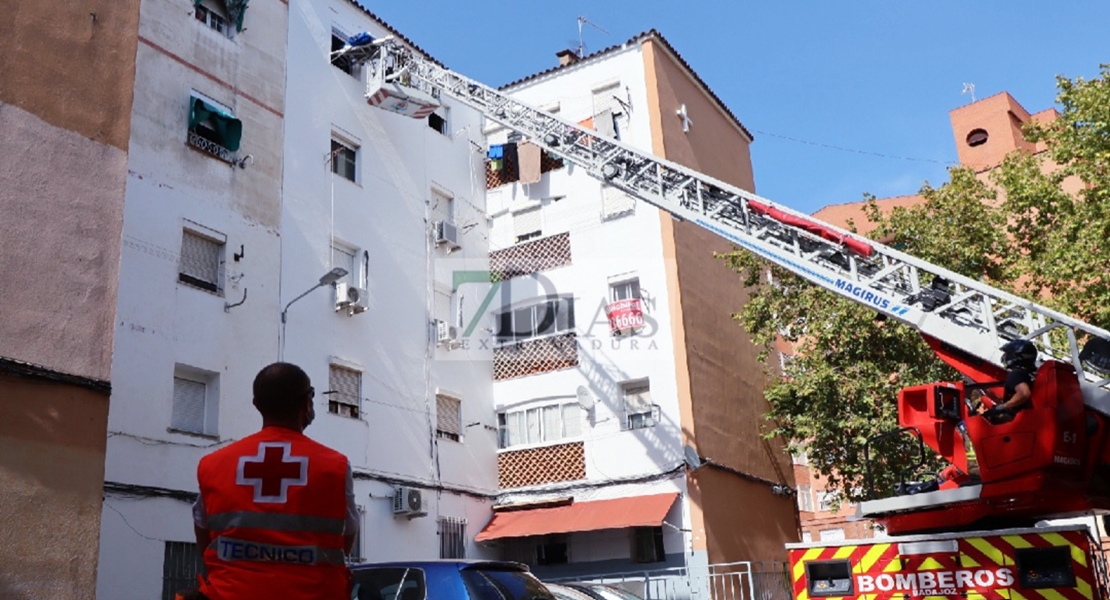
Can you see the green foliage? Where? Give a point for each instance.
(840, 389)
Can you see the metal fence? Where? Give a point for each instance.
(727, 581)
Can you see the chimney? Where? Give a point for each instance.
(566, 57)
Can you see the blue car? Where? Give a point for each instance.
(447, 580)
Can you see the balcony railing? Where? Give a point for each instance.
(538, 355)
(724, 581)
(209, 147)
(530, 257)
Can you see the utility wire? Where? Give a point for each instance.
(843, 149)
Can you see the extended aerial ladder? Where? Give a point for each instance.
(965, 321)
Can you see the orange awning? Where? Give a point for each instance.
(618, 513)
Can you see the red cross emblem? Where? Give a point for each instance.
(272, 471)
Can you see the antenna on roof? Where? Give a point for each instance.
(584, 21)
(969, 88)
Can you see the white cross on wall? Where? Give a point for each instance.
(686, 120)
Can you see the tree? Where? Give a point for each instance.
(839, 390)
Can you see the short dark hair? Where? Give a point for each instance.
(279, 389)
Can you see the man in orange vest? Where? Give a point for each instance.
(276, 514)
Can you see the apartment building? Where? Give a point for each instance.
(63, 161)
(629, 402)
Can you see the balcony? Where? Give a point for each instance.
(537, 355)
(625, 316)
(540, 465)
(209, 147)
(530, 257)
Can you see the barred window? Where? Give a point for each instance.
(200, 261)
(452, 537)
(181, 563)
(448, 417)
(344, 391)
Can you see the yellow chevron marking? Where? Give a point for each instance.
(894, 564)
(1051, 594)
(1084, 588)
(988, 550)
(967, 561)
(800, 567)
(803, 595)
(1017, 541)
(844, 551)
(871, 557)
(1014, 594)
(1077, 553)
(930, 564)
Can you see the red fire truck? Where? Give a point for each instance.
(977, 539)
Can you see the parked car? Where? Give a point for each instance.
(563, 592)
(447, 580)
(600, 591)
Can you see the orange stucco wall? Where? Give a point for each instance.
(719, 376)
(52, 445)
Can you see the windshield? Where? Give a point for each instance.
(497, 584)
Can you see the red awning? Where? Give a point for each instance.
(618, 513)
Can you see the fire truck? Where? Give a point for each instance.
(978, 540)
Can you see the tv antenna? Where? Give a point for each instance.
(584, 21)
(969, 88)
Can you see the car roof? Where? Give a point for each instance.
(454, 564)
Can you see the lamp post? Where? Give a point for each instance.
(327, 279)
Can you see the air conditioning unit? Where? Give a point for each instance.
(446, 334)
(354, 299)
(408, 502)
(447, 233)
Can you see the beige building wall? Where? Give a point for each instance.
(67, 72)
(720, 377)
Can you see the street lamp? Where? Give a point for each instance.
(327, 279)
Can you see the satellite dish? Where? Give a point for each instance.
(585, 400)
(693, 461)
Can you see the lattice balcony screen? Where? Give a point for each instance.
(537, 466)
(530, 257)
(509, 172)
(535, 356)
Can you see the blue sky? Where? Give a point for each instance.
(871, 77)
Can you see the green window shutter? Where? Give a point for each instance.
(228, 127)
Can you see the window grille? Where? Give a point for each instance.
(647, 544)
(344, 391)
(452, 537)
(448, 418)
(200, 261)
(181, 563)
(344, 159)
(189, 405)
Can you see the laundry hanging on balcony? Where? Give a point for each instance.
(227, 128)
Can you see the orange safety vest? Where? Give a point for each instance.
(276, 504)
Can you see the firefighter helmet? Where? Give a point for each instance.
(1019, 353)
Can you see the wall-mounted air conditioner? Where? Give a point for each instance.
(408, 502)
(446, 334)
(350, 298)
(447, 233)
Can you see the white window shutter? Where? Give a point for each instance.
(200, 258)
(188, 405)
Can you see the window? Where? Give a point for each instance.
(389, 583)
(343, 63)
(825, 501)
(807, 537)
(195, 396)
(639, 412)
(552, 551)
(608, 109)
(213, 129)
(344, 160)
(624, 290)
(452, 537)
(647, 545)
(344, 256)
(977, 137)
(831, 535)
(526, 224)
(448, 419)
(800, 457)
(212, 15)
(805, 498)
(201, 261)
(438, 120)
(543, 319)
(181, 563)
(550, 423)
(344, 391)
